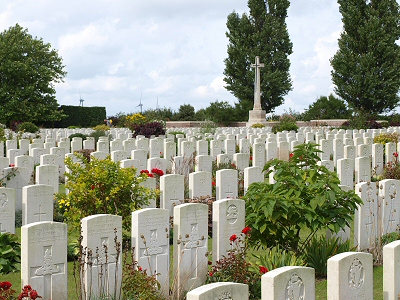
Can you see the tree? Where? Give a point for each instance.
(263, 33)
(220, 112)
(327, 108)
(366, 68)
(186, 113)
(29, 68)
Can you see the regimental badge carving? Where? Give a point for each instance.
(231, 214)
(295, 288)
(356, 274)
(225, 296)
(48, 267)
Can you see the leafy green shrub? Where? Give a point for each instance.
(149, 129)
(18, 218)
(390, 237)
(319, 250)
(286, 122)
(276, 257)
(208, 127)
(305, 195)
(258, 125)
(384, 138)
(101, 187)
(10, 253)
(27, 127)
(81, 135)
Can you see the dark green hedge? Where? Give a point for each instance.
(82, 116)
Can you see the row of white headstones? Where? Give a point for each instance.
(365, 218)
(44, 264)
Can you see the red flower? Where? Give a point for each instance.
(213, 183)
(246, 230)
(251, 157)
(395, 154)
(263, 270)
(209, 263)
(233, 238)
(5, 285)
(157, 171)
(27, 287)
(210, 274)
(150, 175)
(140, 269)
(291, 155)
(144, 171)
(92, 186)
(34, 294)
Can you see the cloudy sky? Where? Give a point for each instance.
(118, 51)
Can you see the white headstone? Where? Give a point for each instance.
(288, 283)
(7, 210)
(228, 219)
(47, 174)
(37, 203)
(219, 291)
(350, 276)
(150, 237)
(102, 270)
(391, 270)
(171, 191)
(190, 246)
(44, 258)
(226, 184)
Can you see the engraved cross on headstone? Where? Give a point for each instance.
(257, 88)
(39, 214)
(193, 244)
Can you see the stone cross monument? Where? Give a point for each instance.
(257, 115)
(257, 88)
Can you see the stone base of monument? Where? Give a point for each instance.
(257, 116)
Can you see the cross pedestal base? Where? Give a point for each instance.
(256, 116)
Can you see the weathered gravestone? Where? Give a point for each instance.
(391, 271)
(101, 238)
(37, 203)
(47, 174)
(220, 291)
(366, 226)
(228, 219)
(150, 237)
(288, 283)
(171, 191)
(190, 246)
(200, 184)
(7, 210)
(44, 258)
(350, 276)
(226, 184)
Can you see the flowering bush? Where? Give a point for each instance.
(101, 186)
(235, 268)
(136, 119)
(384, 138)
(392, 169)
(7, 293)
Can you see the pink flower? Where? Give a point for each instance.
(396, 154)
